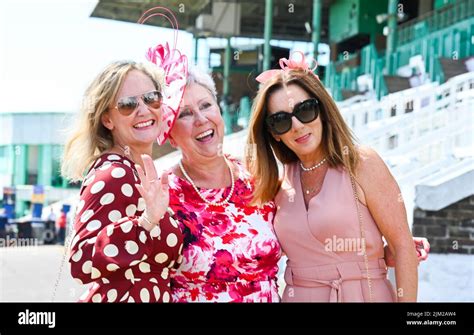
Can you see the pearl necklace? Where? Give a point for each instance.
(212, 203)
(313, 167)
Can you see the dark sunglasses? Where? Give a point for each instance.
(306, 111)
(128, 105)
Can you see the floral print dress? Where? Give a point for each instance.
(230, 252)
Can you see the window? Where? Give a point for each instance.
(32, 165)
(393, 111)
(392, 142)
(378, 114)
(409, 107)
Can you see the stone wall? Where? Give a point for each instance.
(449, 230)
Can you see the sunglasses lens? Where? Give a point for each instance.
(152, 99)
(307, 111)
(127, 106)
(279, 123)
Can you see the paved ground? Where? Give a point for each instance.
(30, 273)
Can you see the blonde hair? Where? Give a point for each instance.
(89, 138)
(338, 142)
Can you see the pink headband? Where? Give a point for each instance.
(287, 65)
(175, 67)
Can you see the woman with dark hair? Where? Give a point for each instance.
(336, 199)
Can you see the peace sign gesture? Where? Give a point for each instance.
(154, 190)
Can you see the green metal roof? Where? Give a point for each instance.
(289, 16)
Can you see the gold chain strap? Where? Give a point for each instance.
(362, 234)
(67, 244)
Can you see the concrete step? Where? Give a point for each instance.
(453, 67)
(396, 83)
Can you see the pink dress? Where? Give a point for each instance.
(323, 244)
(230, 252)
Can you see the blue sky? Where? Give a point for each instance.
(50, 50)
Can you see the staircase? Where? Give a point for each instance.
(438, 37)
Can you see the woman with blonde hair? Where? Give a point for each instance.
(336, 199)
(125, 237)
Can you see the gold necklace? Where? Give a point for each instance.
(317, 187)
(211, 203)
(127, 152)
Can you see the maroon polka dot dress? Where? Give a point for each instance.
(123, 261)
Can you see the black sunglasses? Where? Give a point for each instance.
(128, 105)
(306, 111)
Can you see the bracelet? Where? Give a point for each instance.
(145, 217)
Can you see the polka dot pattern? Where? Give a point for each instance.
(144, 267)
(144, 295)
(172, 240)
(161, 258)
(107, 199)
(118, 172)
(97, 187)
(131, 247)
(87, 215)
(131, 210)
(93, 225)
(156, 292)
(141, 204)
(126, 226)
(112, 295)
(127, 190)
(111, 248)
(114, 215)
(76, 257)
(96, 298)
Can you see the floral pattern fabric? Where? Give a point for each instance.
(230, 252)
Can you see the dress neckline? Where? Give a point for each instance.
(300, 191)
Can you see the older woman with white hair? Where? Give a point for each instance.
(230, 250)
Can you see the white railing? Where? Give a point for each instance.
(420, 125)
(419, 131)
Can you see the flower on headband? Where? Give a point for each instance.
(175, 67)
(287, 65)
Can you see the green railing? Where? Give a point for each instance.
(370, 63)
(452, 42)
(435, 20)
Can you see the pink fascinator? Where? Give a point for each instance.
(175, 67)
(287, 65)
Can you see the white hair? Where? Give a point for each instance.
(197, 76)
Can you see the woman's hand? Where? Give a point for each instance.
(422, 247)
(155, 192)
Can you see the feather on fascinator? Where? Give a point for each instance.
(175, 67)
